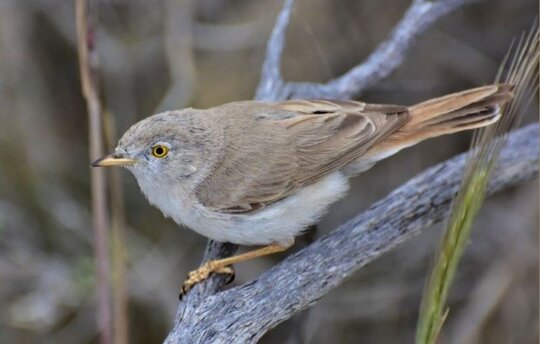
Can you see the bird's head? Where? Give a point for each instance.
(166, 148)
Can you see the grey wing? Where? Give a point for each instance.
(294, 144)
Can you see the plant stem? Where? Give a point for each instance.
(85, 21)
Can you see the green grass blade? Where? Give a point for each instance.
(521, 72)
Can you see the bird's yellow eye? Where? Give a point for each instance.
(160, 151)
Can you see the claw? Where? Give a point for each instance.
(223, 266)
(202, 273)
(231, 278)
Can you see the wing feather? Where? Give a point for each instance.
(285, 146)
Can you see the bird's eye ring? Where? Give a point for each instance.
(160, 151)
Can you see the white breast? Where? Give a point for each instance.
(279, 222)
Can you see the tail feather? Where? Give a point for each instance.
(469, 109)
(455, 112)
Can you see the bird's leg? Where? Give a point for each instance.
(222, 266)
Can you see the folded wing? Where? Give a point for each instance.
(290, 145)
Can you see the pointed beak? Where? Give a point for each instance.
(113, 159)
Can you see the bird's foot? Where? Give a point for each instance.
(203, 272)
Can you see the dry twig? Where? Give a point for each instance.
(85, 17)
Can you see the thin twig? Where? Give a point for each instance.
(86, 34)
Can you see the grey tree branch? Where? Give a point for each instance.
(245, 313)
(384, 60)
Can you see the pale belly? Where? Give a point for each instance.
(278, 223)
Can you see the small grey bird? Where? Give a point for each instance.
(257, 173)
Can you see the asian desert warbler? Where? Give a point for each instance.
(257, 173)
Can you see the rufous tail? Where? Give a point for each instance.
(465, 110)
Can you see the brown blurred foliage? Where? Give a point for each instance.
(157, 55)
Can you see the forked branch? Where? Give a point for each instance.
(386, 58)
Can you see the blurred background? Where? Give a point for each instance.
(168, 54)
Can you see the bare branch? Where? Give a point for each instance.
(245, 313)
(384, 60)
(86, 35)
